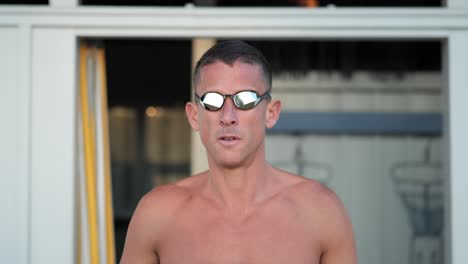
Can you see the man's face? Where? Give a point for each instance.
(232, 137)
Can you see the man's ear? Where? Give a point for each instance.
(191, 111)
(272, 113)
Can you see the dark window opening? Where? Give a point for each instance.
(148, 85)
(395, 57)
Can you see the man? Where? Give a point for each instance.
(242, 210)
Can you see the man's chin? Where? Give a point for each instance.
(229, 162)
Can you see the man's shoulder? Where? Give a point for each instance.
(318, 193)
(322, 211)
(310, 195)
(167, 198)
(304, 188)
(156, 209)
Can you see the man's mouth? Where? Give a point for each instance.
(228, 138)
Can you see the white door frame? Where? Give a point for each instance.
(46, 91)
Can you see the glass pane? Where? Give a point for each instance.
(148, 85)
(389, 178)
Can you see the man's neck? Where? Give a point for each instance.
(239, 189)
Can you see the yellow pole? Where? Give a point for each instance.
(90, 167)
(109, 214)
(78, 226)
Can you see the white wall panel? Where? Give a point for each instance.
(64, 3)
(456, 4)
(53, 146)
(14, 167)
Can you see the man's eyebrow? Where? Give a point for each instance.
(207, 91)
(217, 90)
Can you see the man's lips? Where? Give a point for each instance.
(228, 138)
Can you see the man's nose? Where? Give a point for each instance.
(228, 113)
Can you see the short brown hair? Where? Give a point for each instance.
(228, 52)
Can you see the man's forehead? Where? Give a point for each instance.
(239, 63)
(222, 77)
(219, 69)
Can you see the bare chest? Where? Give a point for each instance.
(262, 238)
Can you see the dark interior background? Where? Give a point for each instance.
(144, 72)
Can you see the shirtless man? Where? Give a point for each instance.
(242, 210)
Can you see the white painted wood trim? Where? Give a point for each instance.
(14, 144)
(64, 3)
(24, 131)
(456, 4)
(251, 23)
(53, 168)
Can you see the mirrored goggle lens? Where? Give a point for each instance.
(212, 101)
(245, 100)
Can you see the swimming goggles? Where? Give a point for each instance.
(243, 100)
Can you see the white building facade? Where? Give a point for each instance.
(38, 87)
